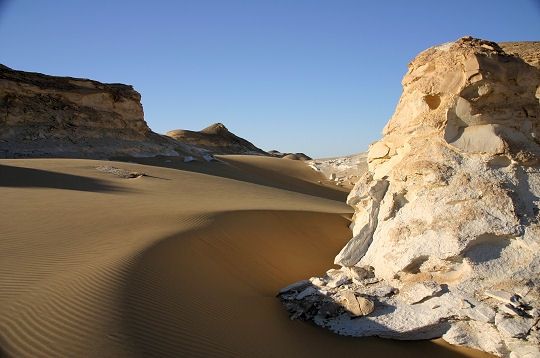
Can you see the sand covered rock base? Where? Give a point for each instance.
(216, 139)
(447, 215)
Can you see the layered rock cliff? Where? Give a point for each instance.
(44, 115)
(446, 233)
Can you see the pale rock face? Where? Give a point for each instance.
(448, 210)
(368, 196)
(418, 292)
(343, 171)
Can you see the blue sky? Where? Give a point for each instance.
(313, 76)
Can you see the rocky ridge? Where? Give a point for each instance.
(43, 115)
(446, 233)
(288, 155)
(216, 139)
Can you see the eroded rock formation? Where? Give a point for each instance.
(343, 171)
(44, 115)
(447, 214)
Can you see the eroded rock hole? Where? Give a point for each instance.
(433, 101)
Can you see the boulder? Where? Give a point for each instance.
(513, 327)
(356, 306)
(335, 278)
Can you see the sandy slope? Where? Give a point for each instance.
(183, 262)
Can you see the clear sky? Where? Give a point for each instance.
(314, 76)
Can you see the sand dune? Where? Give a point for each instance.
(183, 262)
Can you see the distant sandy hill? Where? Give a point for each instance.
(217, 139)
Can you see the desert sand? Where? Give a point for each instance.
(184, 261)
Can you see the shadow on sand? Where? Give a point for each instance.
(211, 292)
(229, 168)
(18, 177)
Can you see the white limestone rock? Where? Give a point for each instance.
(513, 326)
(394, 319)
(448, 210)
(481, 312)
(461, 191)
(420, 291)
(504, 297)
(343, 170)
(478, 335)
(368, 195)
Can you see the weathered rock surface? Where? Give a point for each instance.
(44, 115)
(447, 213)
(343, 171)
(217, 139)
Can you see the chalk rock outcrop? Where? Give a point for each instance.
(44, 115)
(216, 139)
(448, 212)
(343, 171)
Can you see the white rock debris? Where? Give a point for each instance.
(343, 171)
